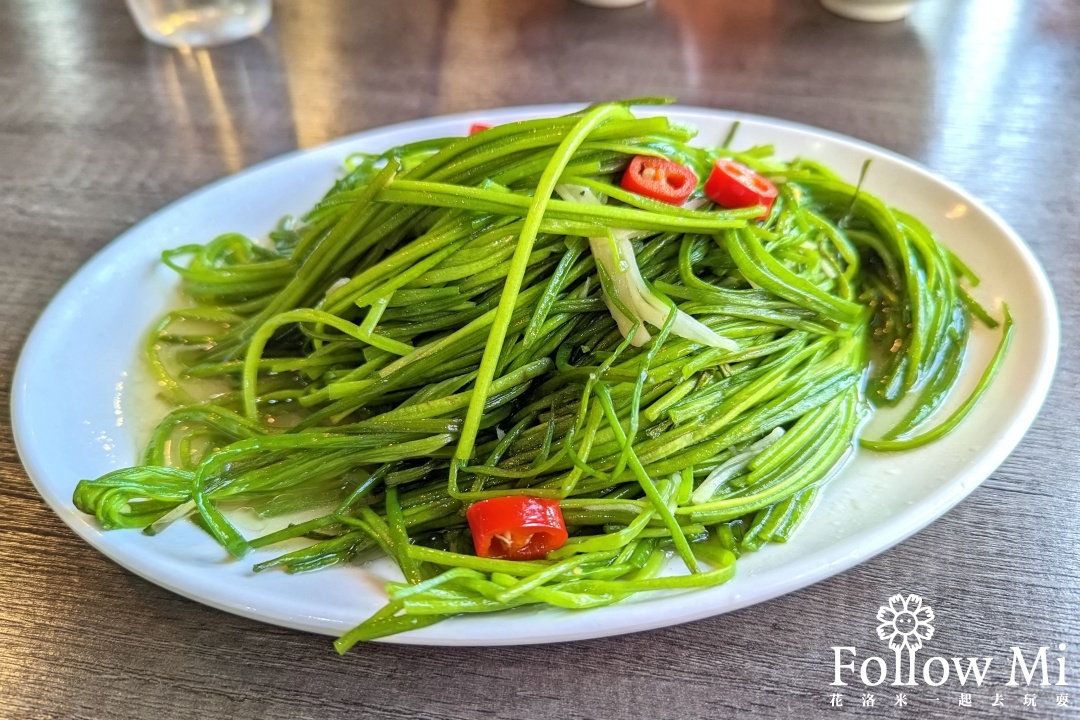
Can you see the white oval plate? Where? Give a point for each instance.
(75, 416)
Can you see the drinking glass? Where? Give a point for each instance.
(199, 22)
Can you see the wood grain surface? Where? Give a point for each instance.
(99, 128)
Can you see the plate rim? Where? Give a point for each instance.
(873, 541)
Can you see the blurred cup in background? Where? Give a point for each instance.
(199, 23)
(611, 3)
(870, 10)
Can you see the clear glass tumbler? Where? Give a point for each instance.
(199, 22)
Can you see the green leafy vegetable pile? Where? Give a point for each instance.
(473, 317)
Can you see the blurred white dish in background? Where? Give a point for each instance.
(611, 3)
(870, 10)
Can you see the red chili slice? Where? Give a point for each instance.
(733, 185)
(478, 127)
(516, 527)
(660, 179)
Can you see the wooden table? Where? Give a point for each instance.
(99, 128)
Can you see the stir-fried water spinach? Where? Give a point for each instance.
(476, 317)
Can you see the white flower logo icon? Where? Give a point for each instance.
(905, 622)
